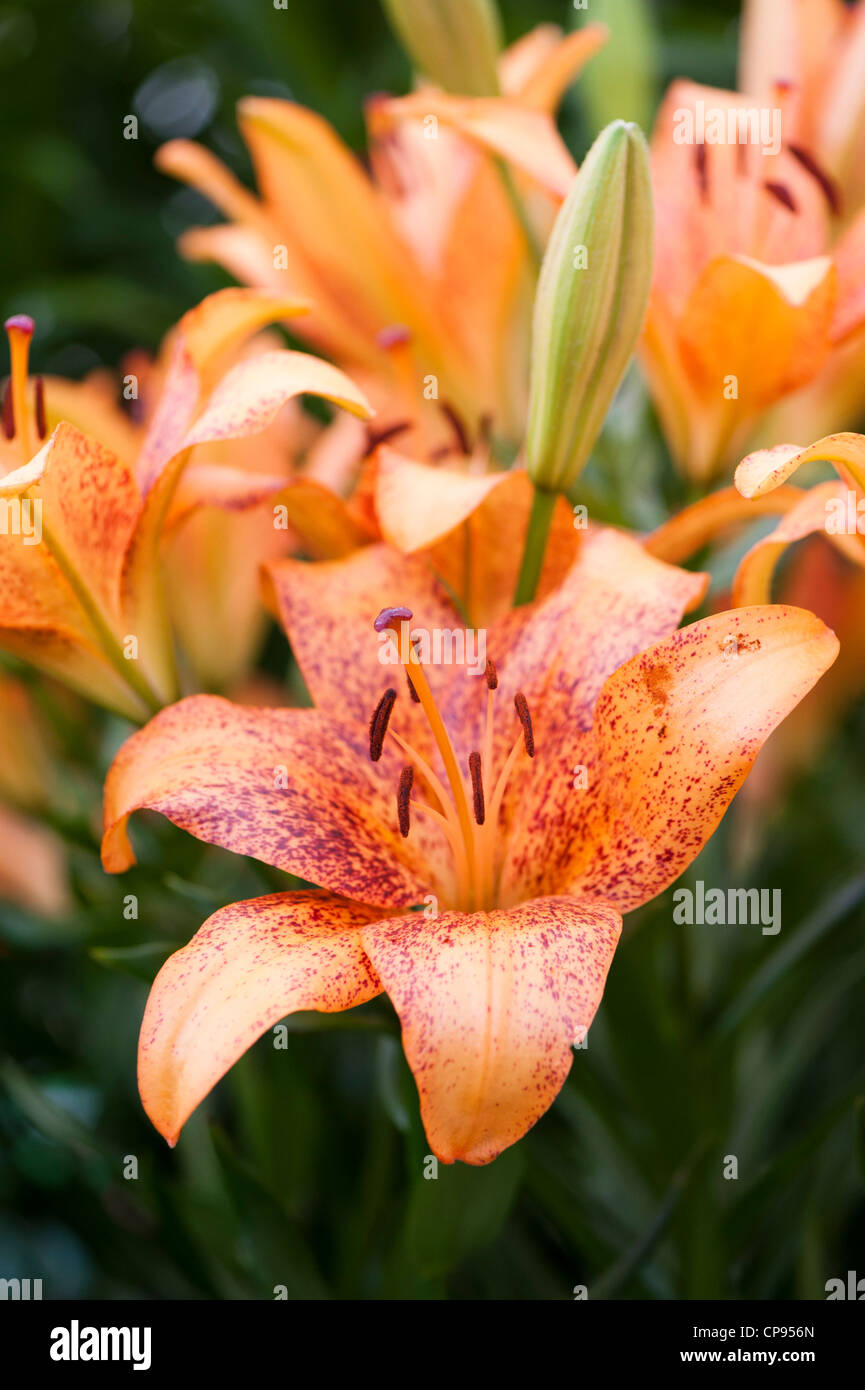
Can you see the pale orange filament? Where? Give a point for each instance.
(474, 846)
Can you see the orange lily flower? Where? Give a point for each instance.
(829, 579)
(459, 794)
(80, 590)
(429, 297)
(751, 301)
(815, 49)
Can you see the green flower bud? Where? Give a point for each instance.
(455, 43)
(590, 304)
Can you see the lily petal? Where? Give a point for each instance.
(61, 592)
(202, 341)
(677, 730)
(695, 526)
(527, 138)
(491, 1005)
(753, 580)
(249, 396)
(615, 601)
(248, 966)
(473, 525)
(20, 479)
(540, 73)
(765, 469)
(779, 336)
(293, 788)
(328, 611)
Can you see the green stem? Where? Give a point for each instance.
(535, 547)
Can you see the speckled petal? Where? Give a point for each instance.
(293, 788)
(677, 730)
(248, 966)
(249, 396)
(491, 1005)
(198, 347)
(351, 669)
(615, 600)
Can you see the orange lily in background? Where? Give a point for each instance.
(427, 298)
(815, 50)
(80, 595)
(752, 299)
(827, 578)
(461, 794)
(32, 857)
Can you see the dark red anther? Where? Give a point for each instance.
(390, 617)
(783, 195)
(379, 722)
(456, 424)
(701, 166)
(411, 690)
(41, 421)
(8, 413)
(827, 184)
(383, 435)
(477, 787)
(403, 799)
(491, 675)
(525, 718)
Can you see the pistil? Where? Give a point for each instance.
(19, 329)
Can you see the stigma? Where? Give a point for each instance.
(21, 426)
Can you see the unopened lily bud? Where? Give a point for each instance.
(455, 43)
(590, 304)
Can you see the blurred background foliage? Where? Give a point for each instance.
(306, 1168)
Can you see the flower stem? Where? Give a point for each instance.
(535, 547)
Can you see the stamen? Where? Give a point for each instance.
(403, 800)
(491, 675)
(41, 421)
(477, 786)
(827, 184)
(387, 432)
(379, 722)
(411, 690)
(525, 718)
(390, 618)
(701, 167)
(8, 412)
(457, 426)
(783, 195)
